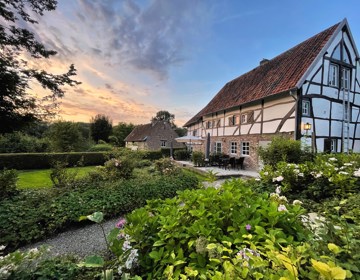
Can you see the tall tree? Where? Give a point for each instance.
(100, 128)
(17, 106)
(164, 116)
(121, 131)
(65, 137)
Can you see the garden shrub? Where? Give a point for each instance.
(61, 177)
(166, 166)
(36, 264)
(8, 179)
(182, 154)
(284, 149)
(327, 176)
(34, 215)
(198, 158)
(226, 233)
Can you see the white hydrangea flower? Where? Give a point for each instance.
(301, 174)
(344, 173)
(282, 208)
(348, 164)
(333, 159)
(278, 190)
(297, 202)
(357, 173)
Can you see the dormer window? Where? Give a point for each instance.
(333, 75)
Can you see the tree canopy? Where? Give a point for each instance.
(17, 106)
(100, 128)
(164, 116)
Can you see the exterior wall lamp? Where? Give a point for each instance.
(307, 127)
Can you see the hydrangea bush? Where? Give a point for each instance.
(228, 233)
(326, 176)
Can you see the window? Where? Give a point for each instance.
(333, 146)
(306, 108)
(333, 75)
(245, 148)
(218, 148)
(194, 133)
(244, 118)
(232, 120)
(233, 148)
(345, 79)
(347, 112)
(209, 124)
(163, 143)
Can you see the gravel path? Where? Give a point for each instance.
(82, 242)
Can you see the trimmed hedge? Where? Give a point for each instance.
(34, 215)
(45, 160)
(21, 161)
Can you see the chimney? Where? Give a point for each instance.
(264, 61)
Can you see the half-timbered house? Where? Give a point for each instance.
(310, 92)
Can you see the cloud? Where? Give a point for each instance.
(150, 37)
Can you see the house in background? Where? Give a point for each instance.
(153, 136)
(309, 93)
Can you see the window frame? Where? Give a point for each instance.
(333, 75)
(346, 81)
(217, 144)
(333, 145)
(163, 143)
(305, 108)
(245, 148)
(233, 147)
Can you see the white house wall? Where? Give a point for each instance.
(327, 104)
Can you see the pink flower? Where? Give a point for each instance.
(248, 227)
(121, 223)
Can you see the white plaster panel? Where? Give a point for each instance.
(336, 127)
(256, 114)
(357, 146)
(321, 107)
(320, 145)
(317, 77)
(322, 127)
(244, 129)
(330, 92)
(357, 99)
(230, 130)
(277, 111)
(314, 89)
(288, 126)
(256, 128)
(270, 127)
(337, 111)
(350, 48)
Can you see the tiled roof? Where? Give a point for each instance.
(279, 74)
(139, 133)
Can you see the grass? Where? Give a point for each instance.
(41, 178)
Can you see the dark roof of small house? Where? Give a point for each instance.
(143, 132)
(139, 133)
(280, 74)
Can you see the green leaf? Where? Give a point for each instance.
(179, 262)
(334, 248)
(96, 217)
(159, 243)
(211, 246)
(93, 261)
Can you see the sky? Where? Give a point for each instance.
(137, 57)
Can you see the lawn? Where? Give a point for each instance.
(41, 178)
